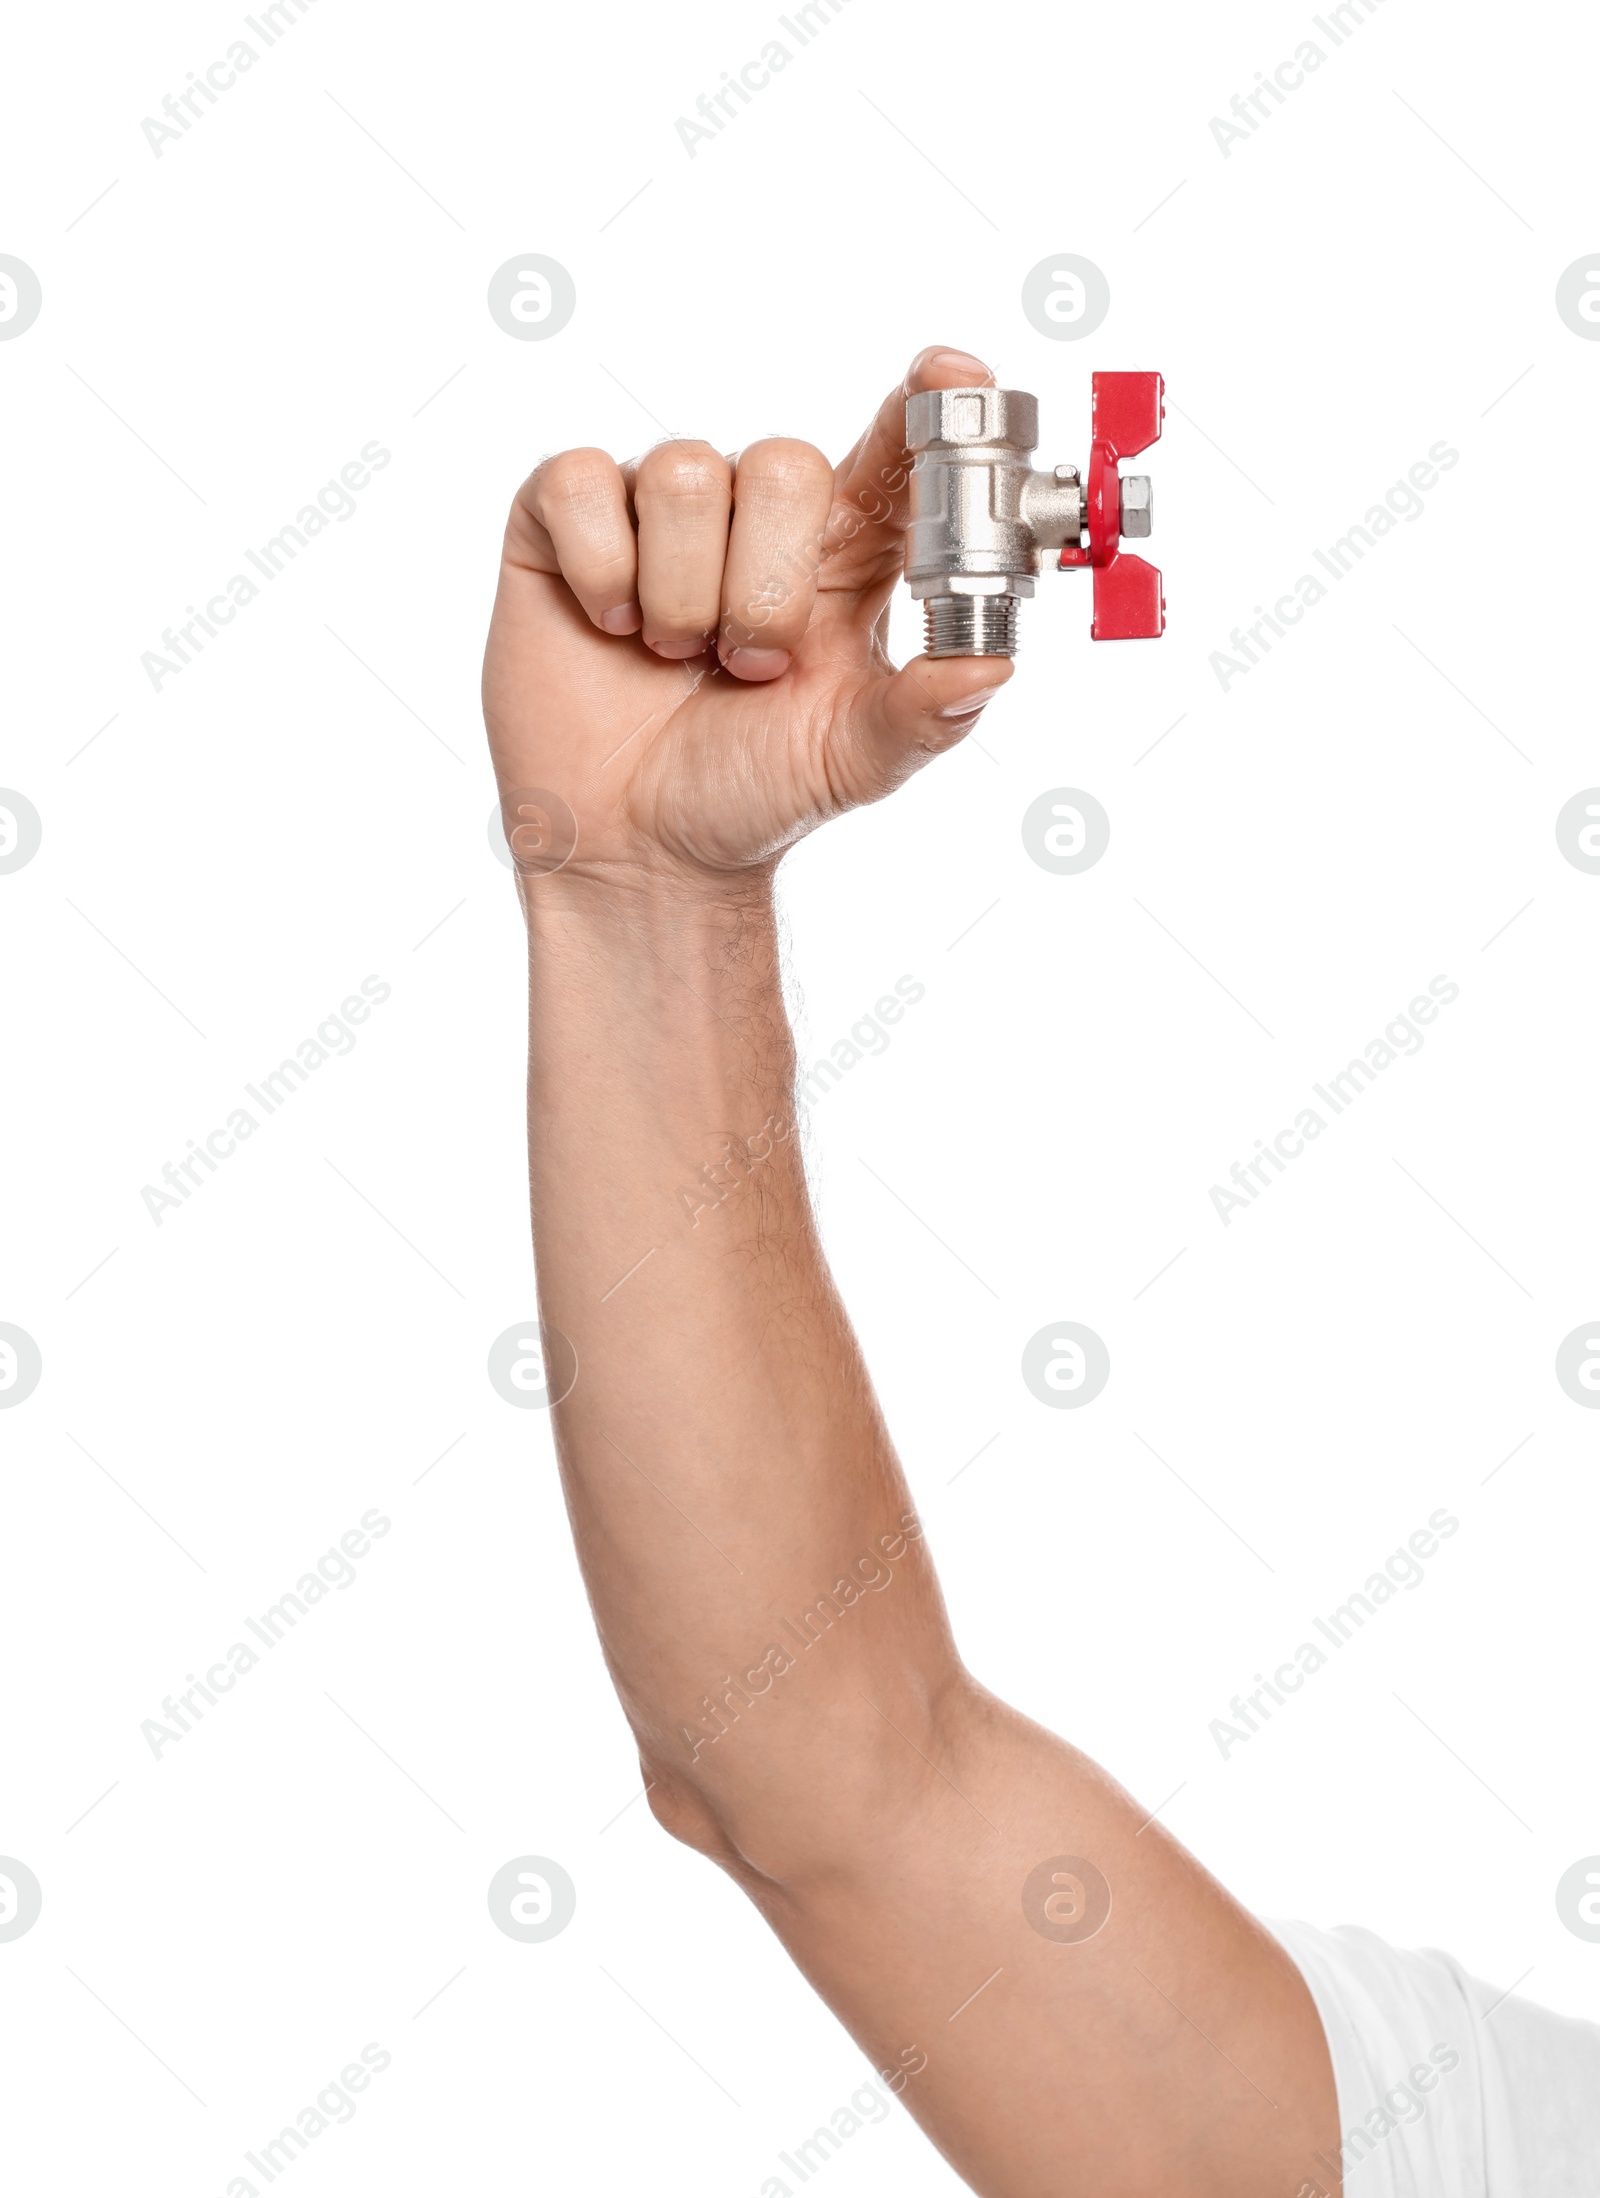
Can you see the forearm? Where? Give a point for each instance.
(726, 1467)
(728, 1472)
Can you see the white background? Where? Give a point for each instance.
(1371, 807)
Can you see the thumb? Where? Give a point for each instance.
(895, 725)
(870, 488)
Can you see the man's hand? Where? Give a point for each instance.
(688, 649)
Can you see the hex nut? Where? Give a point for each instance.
(1137, 504)
(988, 415)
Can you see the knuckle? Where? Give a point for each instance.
(579, 481)
(680, 615)
(687, 469)
(784, 466)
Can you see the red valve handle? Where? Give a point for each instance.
(1128, 601)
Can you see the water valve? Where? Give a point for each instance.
(983, 516)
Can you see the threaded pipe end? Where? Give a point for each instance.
(971, 625)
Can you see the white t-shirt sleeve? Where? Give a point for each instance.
(1447, 2087)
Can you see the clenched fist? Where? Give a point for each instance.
(688, 649)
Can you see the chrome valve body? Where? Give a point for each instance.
(982, 515)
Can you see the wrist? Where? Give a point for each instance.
(694, 958)
(659, 901)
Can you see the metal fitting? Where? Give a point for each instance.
(982, 517)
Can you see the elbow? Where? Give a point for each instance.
(683, 1811)
(793, 1812)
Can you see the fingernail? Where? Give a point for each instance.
(970, 704)
(962, 363)
(626, 618)
(676, 649)
(757, 663)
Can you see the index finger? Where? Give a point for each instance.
(870, 495)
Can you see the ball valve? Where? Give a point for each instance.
(983, 517)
